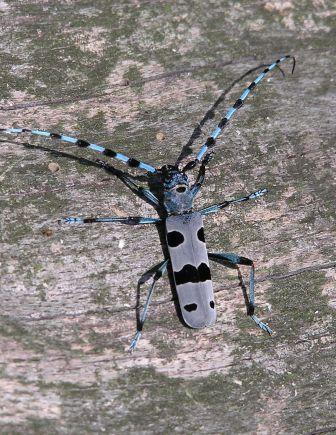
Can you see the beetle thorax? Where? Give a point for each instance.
(177, 195)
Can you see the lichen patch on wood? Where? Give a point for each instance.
(120, 75)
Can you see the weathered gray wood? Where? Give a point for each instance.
(121, 74)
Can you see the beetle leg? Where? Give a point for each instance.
(157, 271)
(233, 260)
(217, 207)
(130, 220)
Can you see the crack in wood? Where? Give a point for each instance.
(168, 74)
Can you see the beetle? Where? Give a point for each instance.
(172, 194)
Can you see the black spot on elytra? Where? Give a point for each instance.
(174, 239)
(190, 307)
(204, 272)
(200, 235)
(266, 70)
(252, 86)
(212, 304)
(193, 274)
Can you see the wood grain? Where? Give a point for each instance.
(140, 77)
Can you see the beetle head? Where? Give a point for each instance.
(177, 196)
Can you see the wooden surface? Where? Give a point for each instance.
(140, 76)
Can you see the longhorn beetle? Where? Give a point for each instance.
(188, 256)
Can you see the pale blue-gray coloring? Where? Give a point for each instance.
(172, 194)
(191, 271)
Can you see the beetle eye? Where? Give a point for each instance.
(181, 189)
